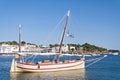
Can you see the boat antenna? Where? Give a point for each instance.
(19, 37)
(57, 56)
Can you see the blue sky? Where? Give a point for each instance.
(93, 21)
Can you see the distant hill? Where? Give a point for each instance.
(92, 48)
(85, 48)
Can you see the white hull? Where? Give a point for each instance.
(45, 67)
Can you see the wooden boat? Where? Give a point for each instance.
(47, 65)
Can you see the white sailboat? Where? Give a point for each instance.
(47, 65)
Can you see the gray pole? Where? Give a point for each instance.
(57, 56)
(19, 37)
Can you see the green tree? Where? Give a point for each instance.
(23, 42)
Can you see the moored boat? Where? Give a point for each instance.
(47, 65)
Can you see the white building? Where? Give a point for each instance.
(5, 48)
(63, 48)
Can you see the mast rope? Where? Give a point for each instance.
(96, 60)
(29, 57)
(53, 30)
(33, 59)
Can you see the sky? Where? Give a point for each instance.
(91, 21)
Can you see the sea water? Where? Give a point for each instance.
(106, 69)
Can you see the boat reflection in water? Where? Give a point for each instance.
(60, 75)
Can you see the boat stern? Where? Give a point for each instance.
(13, 66)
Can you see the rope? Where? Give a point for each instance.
(92, 59)
(52, 32)
(29, 57)
(98, 59)
(34, 56)
(33, 59)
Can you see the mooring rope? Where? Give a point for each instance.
(96, 60)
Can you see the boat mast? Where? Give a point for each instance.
(63, 34)
(19, 37)
(64, 31)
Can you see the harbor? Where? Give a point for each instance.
(59, 40)
(105, 69)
